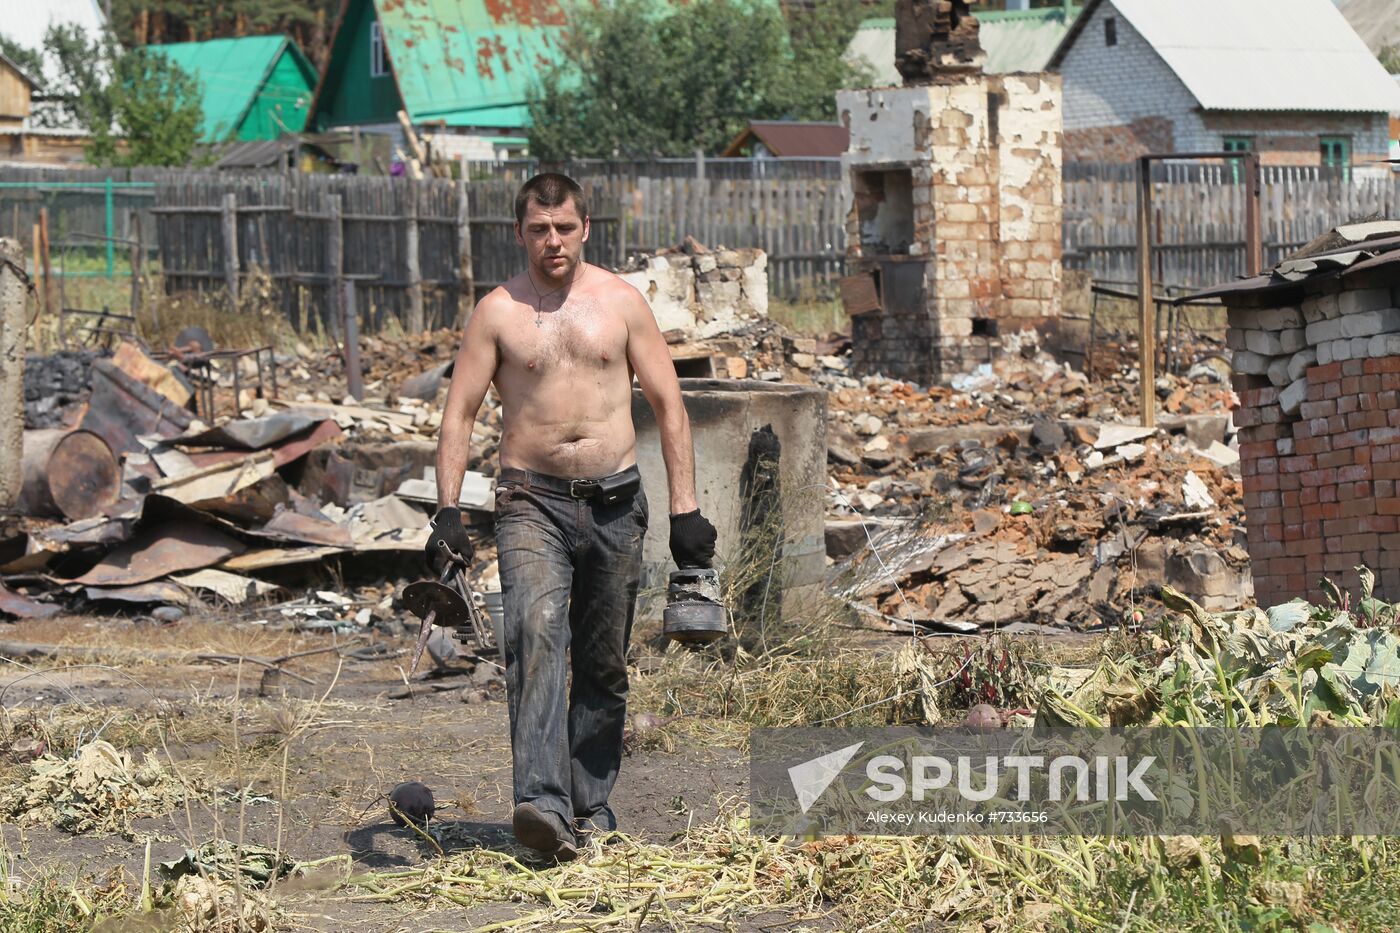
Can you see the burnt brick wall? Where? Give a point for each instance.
(1119, 143)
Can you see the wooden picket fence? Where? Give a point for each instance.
(1198, 216)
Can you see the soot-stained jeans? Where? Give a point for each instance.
(570, 569)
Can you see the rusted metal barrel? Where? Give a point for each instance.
(68, 473)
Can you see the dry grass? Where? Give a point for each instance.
(810, 315)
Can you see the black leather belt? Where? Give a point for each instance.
(609, 489)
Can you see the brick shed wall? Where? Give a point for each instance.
(1319, 424)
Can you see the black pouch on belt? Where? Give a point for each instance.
(617, 487)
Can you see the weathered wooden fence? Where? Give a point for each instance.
(307, 235)
(414, 250)
(792, 209)
(407, 245)
(1198, 216)
(85, 213)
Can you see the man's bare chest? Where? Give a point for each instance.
(582, 334)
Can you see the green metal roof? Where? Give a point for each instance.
(470, 62)
(236, 79)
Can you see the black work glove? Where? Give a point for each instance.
(692, 540)
(448, 530)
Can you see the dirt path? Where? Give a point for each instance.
(351, 743)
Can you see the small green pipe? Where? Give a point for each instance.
(108, 185)
(111, 228)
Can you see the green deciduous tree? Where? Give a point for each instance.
(140, 108)
(1389, 56)
(638, 79)
(28, 61)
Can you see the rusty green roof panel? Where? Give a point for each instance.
(470, 62)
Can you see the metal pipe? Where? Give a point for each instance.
(111, 228)
(1147, 323)
(1253, 223)
(354, 377)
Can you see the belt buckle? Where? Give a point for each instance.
(583, 488)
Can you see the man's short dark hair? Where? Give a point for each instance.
(549, 189)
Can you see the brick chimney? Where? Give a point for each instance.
(934, 38)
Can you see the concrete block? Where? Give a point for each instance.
(1250, 364)
(1293, 396)
(1265, 318)
(1323, 331)
(1293, 339)
(1299, 362)
(1363, 299)
(1278, 371)
(1324, 353)
(1319, 308)
(1341, 351)
(1369, 323)
(1242, 318)
(1234, 338)
(1278, 318)
(1383, 345)
(1360, 347)
(1263, 342)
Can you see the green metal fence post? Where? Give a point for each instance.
(111, 228)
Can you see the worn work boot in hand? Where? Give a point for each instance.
(543, 832)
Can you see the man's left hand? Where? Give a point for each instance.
(449, 541)
(692, 540)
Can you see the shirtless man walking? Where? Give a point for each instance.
(562, 341)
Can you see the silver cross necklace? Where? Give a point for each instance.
(539, 298)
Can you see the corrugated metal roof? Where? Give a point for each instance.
(1020, 44)
(1274, 55)
(470, 62)
(1342, 252)
(794, 139)
(230, 73)
(26, 21)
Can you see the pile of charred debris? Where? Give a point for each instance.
(156, 485)
(1020, 497)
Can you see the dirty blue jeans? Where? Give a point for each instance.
(570, 569)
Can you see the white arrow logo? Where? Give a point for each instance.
(811, 778)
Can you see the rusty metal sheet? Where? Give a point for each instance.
(253, 433)
(219, 480)
(154, 593)
(26, 553)
(251, 506)
(121, 408)
(265, 558)
(858, 293)
(160, 549)
(292, 526)
(15, 604)
(282, 454)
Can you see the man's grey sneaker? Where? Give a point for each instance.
(543, 832)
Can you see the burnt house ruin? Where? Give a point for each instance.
(954, 229)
